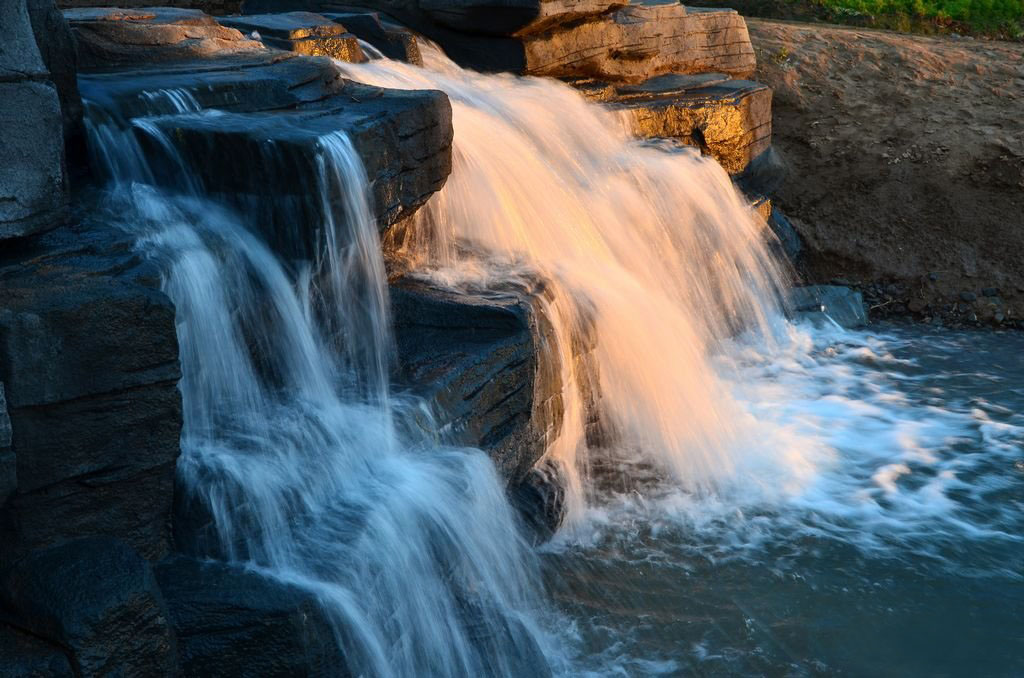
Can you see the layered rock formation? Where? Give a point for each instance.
(32, 181)
(90, 412)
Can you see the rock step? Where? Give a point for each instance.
(731, 120)
(563, 38)
(107, 36)
(301, 32)
(280, 104)
(89, 361)
(393, 41)
(483, 359)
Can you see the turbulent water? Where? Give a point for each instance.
(775, 499)
(291, 440)
(764, 497)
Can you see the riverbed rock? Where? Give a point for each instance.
(32, 177)
(89, 360)
(301, 32)
(109, 36)
(830, 303)
(24, 656)
(231, 621)
(97, 598)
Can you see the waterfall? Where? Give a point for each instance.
(651, 250)
(291, 441)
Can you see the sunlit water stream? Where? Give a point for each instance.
(770, 499)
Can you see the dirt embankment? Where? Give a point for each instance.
(906, 158)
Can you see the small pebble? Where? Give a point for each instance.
(968, 296)
(933, 276)
(990, 292)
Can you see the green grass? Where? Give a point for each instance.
(983, 18)
(979, 16)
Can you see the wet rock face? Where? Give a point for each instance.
(483, 359)
(32, 183)
(97, 598)
(301, 32)
(57, 49)
(89, 360)
(234, 622)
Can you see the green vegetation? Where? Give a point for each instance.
(983, 18)
(978, 16)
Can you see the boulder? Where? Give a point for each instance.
(730, 120)
(834, 304)
(89, 358)
(301, 32)
(107, 36)
(32, 183)
(231, 621)
(24, 656)
(98, 599)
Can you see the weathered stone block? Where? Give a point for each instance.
(89, 357)
(730, 120)
(393, 41)
(97, 598)
(301, 32)
(235, 622)
(108, 36)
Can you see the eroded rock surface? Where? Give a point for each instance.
(301, 32)
(234, 622)
(97, 598)
(25, 656)
(32, 181)
(89, 359)
(109, 36)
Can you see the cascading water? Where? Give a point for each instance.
(653, 252)
(761, 476)
(291, 441)
(778, 499)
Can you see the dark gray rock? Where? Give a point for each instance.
(89, 357)
(830, 303)
(32, 185)
(23, 656)
(789, 241)
(478, 356)
(57, 47)
(539, 499)
(8, 464)
(402, 137)
(968, 296)
(301, 32)
(234, 622)
(107, 36)
(97, 598)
